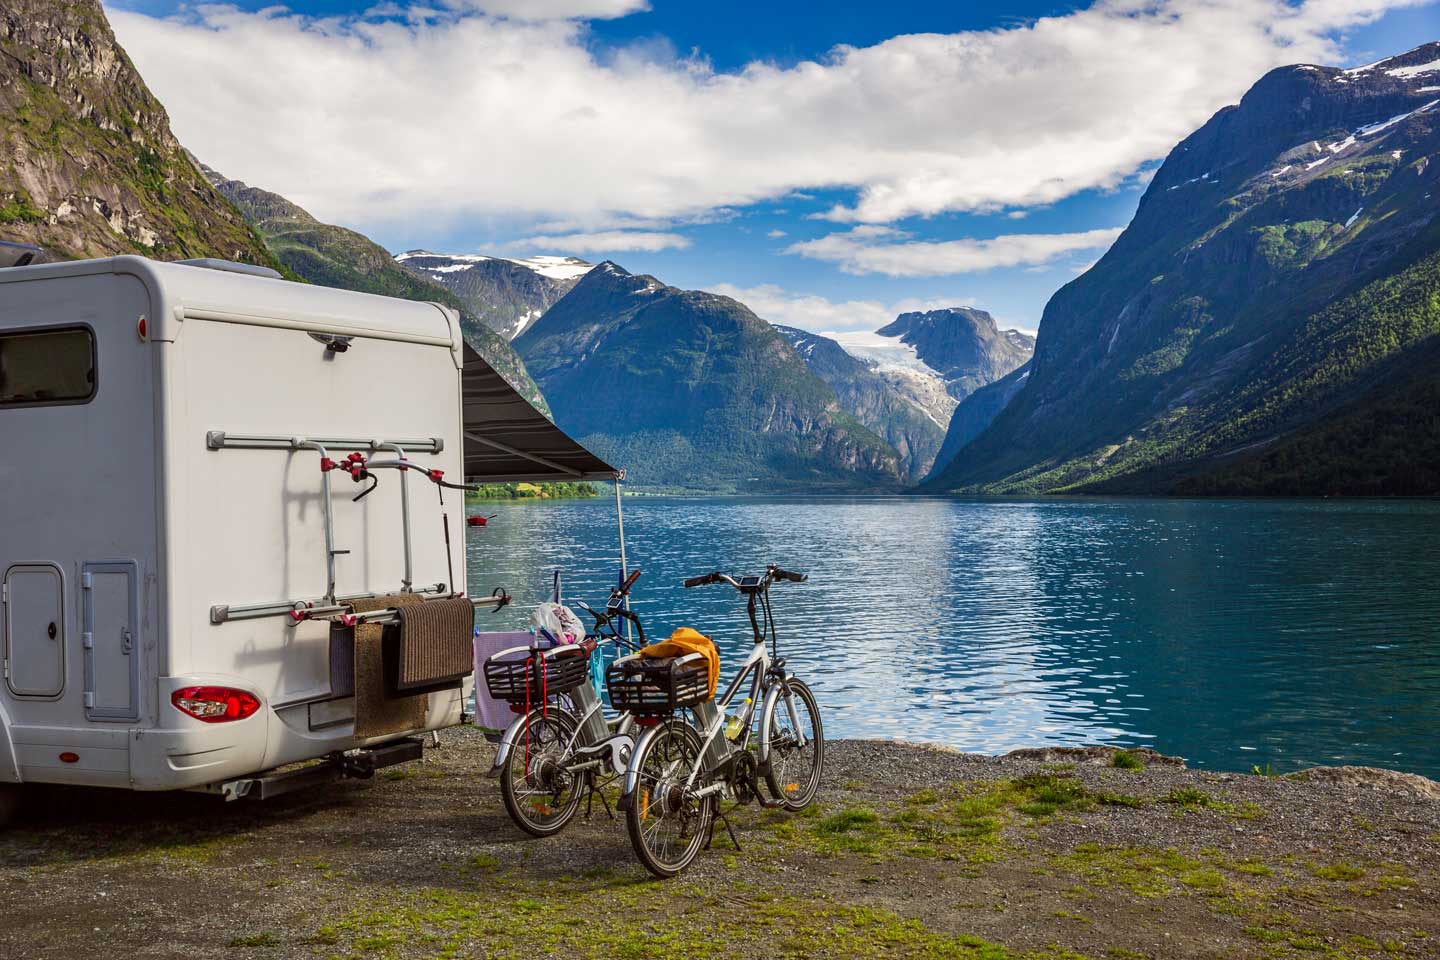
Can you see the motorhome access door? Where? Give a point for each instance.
(111, 639)
(34, 630)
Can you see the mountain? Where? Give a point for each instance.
(333, 256)
(91, 167)
(963, 345)
(1278, 286)
(877, 401)
(976, 412)
(507, 295)
(685, 388)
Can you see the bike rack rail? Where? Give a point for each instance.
(329, 604)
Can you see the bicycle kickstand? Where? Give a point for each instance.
(720, 815)
(594, 792)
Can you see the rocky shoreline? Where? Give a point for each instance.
(910, 851)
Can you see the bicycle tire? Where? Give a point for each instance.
(675, 749)
(790, 792)
(556, 726)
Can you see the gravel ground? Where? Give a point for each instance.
(909, 851)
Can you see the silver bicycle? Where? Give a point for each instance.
(561, 749)
(693, 756)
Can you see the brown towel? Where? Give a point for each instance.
(375, 713)
(437, 643)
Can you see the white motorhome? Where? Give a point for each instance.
(173, 555)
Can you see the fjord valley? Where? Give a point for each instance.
(1081, 366)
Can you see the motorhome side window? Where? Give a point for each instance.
(47, 366)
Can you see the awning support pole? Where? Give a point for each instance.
(624, 571)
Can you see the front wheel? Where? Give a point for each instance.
(540, 793)
(793, 739)
(667, 825)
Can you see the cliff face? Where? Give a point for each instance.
(90, 166)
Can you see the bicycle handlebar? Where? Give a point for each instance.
(772, 574)
(629, 582)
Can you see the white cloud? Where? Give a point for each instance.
(444, 113)
(820, 315)
(873, 249)
(605, 241)
(552, 9)
(776, 234)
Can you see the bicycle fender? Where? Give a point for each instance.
(632, 772)
(512, 735)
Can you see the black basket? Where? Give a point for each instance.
(646, 687)
(547, 675)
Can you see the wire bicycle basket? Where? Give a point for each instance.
(532, 677)
(649, 687)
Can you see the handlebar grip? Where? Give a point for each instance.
(629, 582)
(701, 581)
(787, 575)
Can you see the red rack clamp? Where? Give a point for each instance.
(326, 465)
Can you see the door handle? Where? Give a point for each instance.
(126, 641)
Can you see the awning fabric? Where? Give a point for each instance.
(506, 439)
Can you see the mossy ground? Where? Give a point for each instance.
(910, 854)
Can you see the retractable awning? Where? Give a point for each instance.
(508, 440)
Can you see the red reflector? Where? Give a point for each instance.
(142, 329)
(68, 757)
(215, 704)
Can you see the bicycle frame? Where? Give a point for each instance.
(766, 682)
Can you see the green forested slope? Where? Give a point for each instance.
(689, 389)
(1280, 266)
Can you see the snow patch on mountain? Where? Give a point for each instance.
(1405, 73)
(556, 268)
(886, 353)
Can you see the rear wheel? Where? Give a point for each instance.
(540, 794)
(796, 745)
(9, 803)
(667, 826)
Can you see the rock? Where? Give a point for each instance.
(1094, 755)
(1388, 781)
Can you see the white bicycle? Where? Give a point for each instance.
(684, 766)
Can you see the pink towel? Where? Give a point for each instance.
(494, 714)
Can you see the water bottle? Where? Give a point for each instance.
(734, 724)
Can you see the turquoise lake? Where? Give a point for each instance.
(1232, 633)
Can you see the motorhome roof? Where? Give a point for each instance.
(201, 292)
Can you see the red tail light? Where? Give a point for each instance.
(215, 704)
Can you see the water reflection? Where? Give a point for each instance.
(1287, 633)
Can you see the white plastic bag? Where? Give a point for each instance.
(559, 621)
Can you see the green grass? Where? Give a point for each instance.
(265, 939)
(643, 922)
(1125, 760)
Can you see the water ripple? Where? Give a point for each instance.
(1231, 632)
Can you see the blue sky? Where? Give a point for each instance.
(829, 169)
